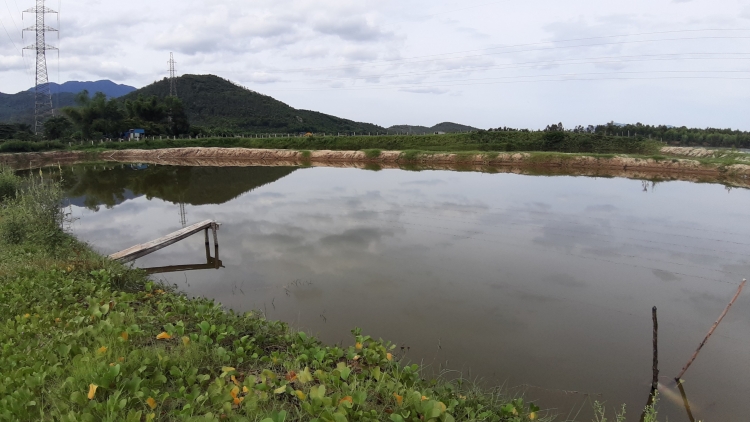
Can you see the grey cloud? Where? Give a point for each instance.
(352, 29)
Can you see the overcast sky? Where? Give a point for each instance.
(479, 62)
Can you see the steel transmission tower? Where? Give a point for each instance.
(42, 94)
(172, 87)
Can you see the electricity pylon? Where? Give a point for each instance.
(172, 87)
(42, 95)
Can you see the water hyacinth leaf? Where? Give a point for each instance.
(318, 392)
(359, 397)
(395, 417)
(343, 370)
(305, 376)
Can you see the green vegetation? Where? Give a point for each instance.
(19, 131)
(85, 339)
(681, 136)
(477, 141)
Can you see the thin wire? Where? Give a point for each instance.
(561, 62)
(508, 82)
(26, 66)
(532, 44)
(557, 75)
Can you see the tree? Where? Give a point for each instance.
(96, 115)
(57, 127)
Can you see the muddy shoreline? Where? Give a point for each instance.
(522, 163)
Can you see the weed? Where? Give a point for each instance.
(372, 153)
(305, 154)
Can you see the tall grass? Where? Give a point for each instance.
(32, 210)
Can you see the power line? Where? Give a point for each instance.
(560, 62)
(509, 82)
(533, 44)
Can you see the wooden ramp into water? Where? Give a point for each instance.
(137, 251)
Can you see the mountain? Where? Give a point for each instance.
(446, 127)
(109, 88)
(19, 108)
(211, 101)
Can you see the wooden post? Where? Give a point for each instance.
(208, 250)
(710, 332)
(214, 228)
(655, 366)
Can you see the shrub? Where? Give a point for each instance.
(9, 184)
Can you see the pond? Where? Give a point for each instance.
(544, 285)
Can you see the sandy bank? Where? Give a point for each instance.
(619, 166)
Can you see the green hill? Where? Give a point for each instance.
(446, 127)
(213, 102)
(19, 108)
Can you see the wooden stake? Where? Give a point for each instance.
(655, 366)
(710, 332)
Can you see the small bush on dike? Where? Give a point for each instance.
(29, 146)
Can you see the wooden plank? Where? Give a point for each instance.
(144, 249)
(179, 268)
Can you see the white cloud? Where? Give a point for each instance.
(293, 49)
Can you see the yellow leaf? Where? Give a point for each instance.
(532, 416)
(185, 341)
(238, 400)
(92, 391)
(399, 399)
(234, 380)
(442, 406)
(121, 359)
(304, 377)
(358, 346)
(57, 320)
(300, 395)
(124, 335)
(389, 356)
(27, 315)
(150, 417)
(424, 398)
(151, 403)
(102, 350)
(245, 390)
(163, 336)
(347, 398)
(280, 390)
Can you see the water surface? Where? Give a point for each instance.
(543, 284)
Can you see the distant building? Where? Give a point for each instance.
(439, 133)
(135, 134)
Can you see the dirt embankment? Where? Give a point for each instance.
(624, 166)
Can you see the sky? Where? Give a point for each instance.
(523, 64)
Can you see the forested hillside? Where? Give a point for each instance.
(19, 108)
(213, 102)
(447, 127)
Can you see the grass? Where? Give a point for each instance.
(83, 338)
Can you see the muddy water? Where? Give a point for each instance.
(542, 284)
